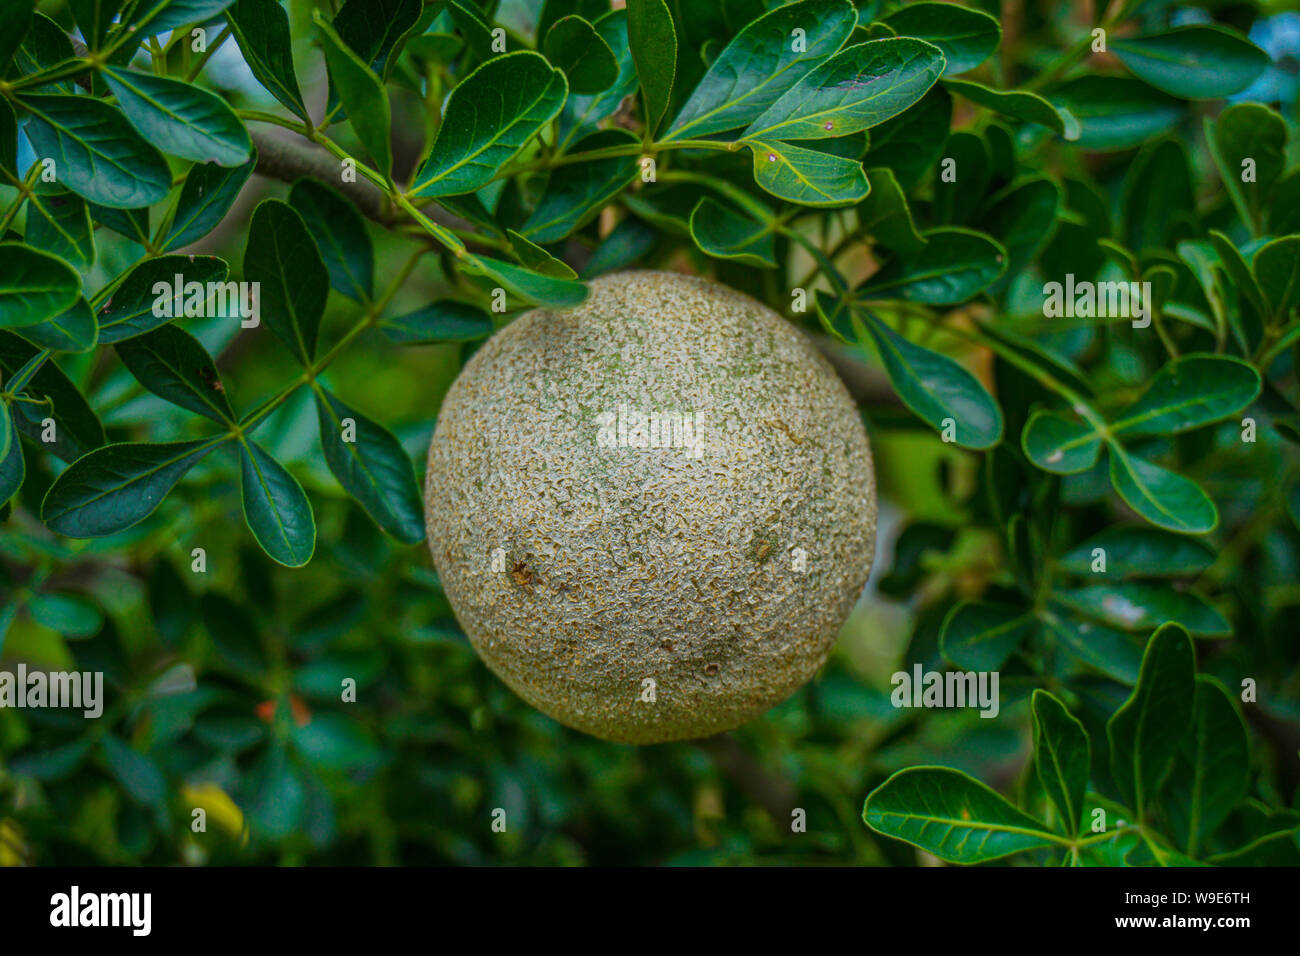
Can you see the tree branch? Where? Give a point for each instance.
(773, 794)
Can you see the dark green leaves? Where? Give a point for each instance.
(116, 486)
(275, 506)
(1277, 270)
(340, 235)
(187, 121)
(1148, 730)
(966, 37)
(653, 40)
(363, 95)
(1211, 769)
(293, 281)
(34, 286)
(760, 64)
(576, 192)
(1248, 141)
(1193, 62)
(953, 266)
(575, 47)
(1062, 757)
(1161, 496)
(1115, 112)
(980, 636)
(1060, 443)
(207, 195)
(173, 365)
(371, 465)
(953, 816)
(490, 116)
(443, 321)
(261, 28)
(725, 234)
(152, 295)
(1189, 392)
(96, 153)
(939, 390)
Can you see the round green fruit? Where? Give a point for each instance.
(651, 513)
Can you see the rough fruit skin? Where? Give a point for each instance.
(618, 565)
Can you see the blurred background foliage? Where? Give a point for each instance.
(223, 686)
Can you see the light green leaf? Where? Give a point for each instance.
(490, 116)
(855, 89)
(953, 816)
(761, 63)
(807, 176)
(529, 285)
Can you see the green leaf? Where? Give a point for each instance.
(12, 471)
(280, 799)
(138, 774)
(73, 330)
(582, 113)
(34, 286)
(77, 428)
(953, 266)
(807, 176)
(938, 389)
(151, 17)
(136, 308)
(490, 116)
(1115, 112)
(1018, 104)
(952, 815)
(912, 142)
(855, 89)
(176, 367)
(377, 29)
(1161, 496)
(1248, 138)
(534, 257)
(1142, 605)
(96, 152)
(130, 223)
(1239, 272)
(966, 37)
(1139, 551)
(980, 636)
(207, 195)
(1060, 443)
(117, 486)
(363, 95)
(441, 321)
(293, 282)
(1149, 729)
(275, 507)
(1276, 267)
(188, 121)
(1117, 654)
(885, 216)
(1021, 218)
(331, 740)
(575, 193)
(261, 28)
(372, 467)
(725, 234)
(529, 285)
(58, 222)
(653, 41)
(1196, 62)
(1062, 757)
(1159, 201)
(7, 440)
(340, 235)
(15, 20)
(1211, 769)
(760, 64)
(575, 47)
(1188, 392)
(71, 615)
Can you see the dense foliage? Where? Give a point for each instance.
(1099, 505)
